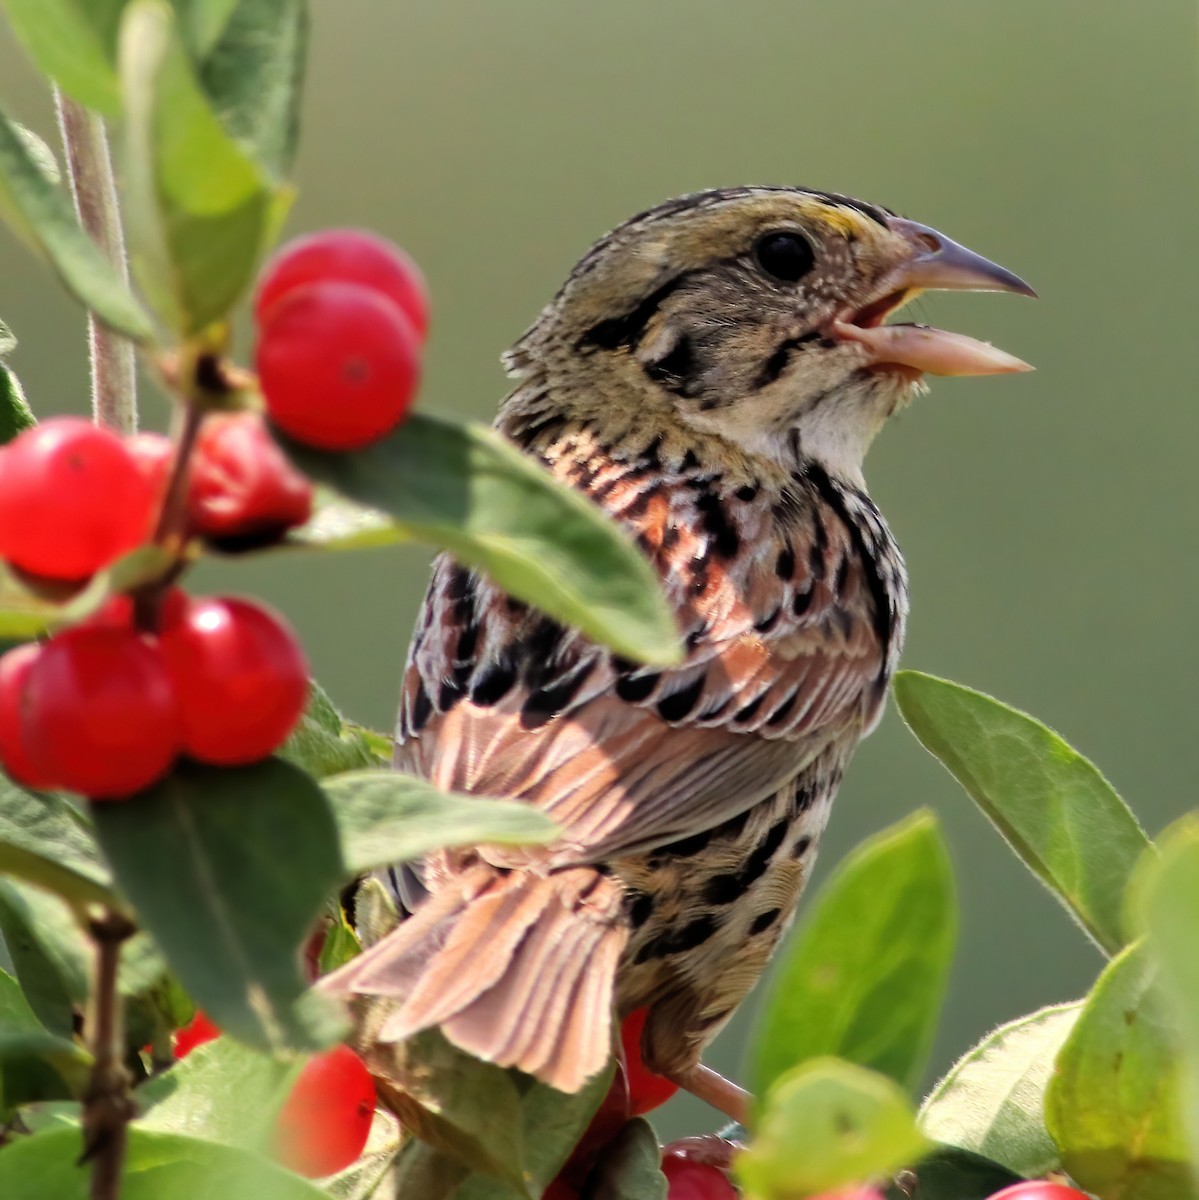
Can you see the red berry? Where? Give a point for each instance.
(242, 489)
(198, 1031)
(240, 677)
(1039, 1189)
(153, 453)
(687, 1179)
(325, 1121)
(347, 256)
(99, 714)
(647, 1090)
(71, 499)
(14, 758)
(338, 365)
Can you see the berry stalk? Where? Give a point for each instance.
(107, 1105)
(93, 187)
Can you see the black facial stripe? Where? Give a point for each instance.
(675, 372)
(624, 332)
(776, 364)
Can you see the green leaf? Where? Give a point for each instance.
(222, 1091)
(158, 1166)
(827, 1124)
(200, 211)
(459, 1106)
(25, 613)
(228, 869)
(369, 1178)
(386, 817)
(45, 840)
(992, 1101)
(8, 340)
(72, 41)
(47, 220)
(952, 1174)
(552, 1123)
(502, 1124)
(1053, 807)
(337, 524)
(865, 975)
(49, 954)
(255, 76)
(324, 744)
(15, 413)
(630, 1166)
(34, 1064)
(466, 490)
(1165, 902)
(1114, 1103)
(341, 944)
(203, 22)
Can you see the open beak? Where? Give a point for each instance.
(940, 264)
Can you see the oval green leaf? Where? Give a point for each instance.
(200, 211)
(254, 77)
(1054, 808)
(1114, 1104)
(827, 1124)
(385, 817)
(228, 869)
(35, 1065)
(222, 1091)
(949, 1173)
(15, 413)
(864, 977)
(45, 840)
(74, 43)
(992, 1101)
(158, 1166)
(464, 489)
(1165, 904)
(45, 216)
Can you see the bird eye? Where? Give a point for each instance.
(786, 256)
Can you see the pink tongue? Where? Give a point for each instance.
(933, 350)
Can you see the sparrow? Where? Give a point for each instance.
(711, 374)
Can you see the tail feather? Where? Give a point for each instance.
(517, 968)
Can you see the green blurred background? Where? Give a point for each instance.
(1049, 520)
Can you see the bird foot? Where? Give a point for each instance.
(712, 1088)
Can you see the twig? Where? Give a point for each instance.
(89, 169)
(107, 1105)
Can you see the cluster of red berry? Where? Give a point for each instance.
(342, 317)
(105, 707)
(325, 1120)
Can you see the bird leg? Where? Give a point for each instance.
(712, 1088)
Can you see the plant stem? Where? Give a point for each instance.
(107, 1104)
(93, 186)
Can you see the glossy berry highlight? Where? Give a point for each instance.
(326, 1119)
(346, 256)
(240, 677)
(99, 715)
(72, 499)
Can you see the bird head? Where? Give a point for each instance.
(757, 315)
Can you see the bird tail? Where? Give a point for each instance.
(516, 968)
